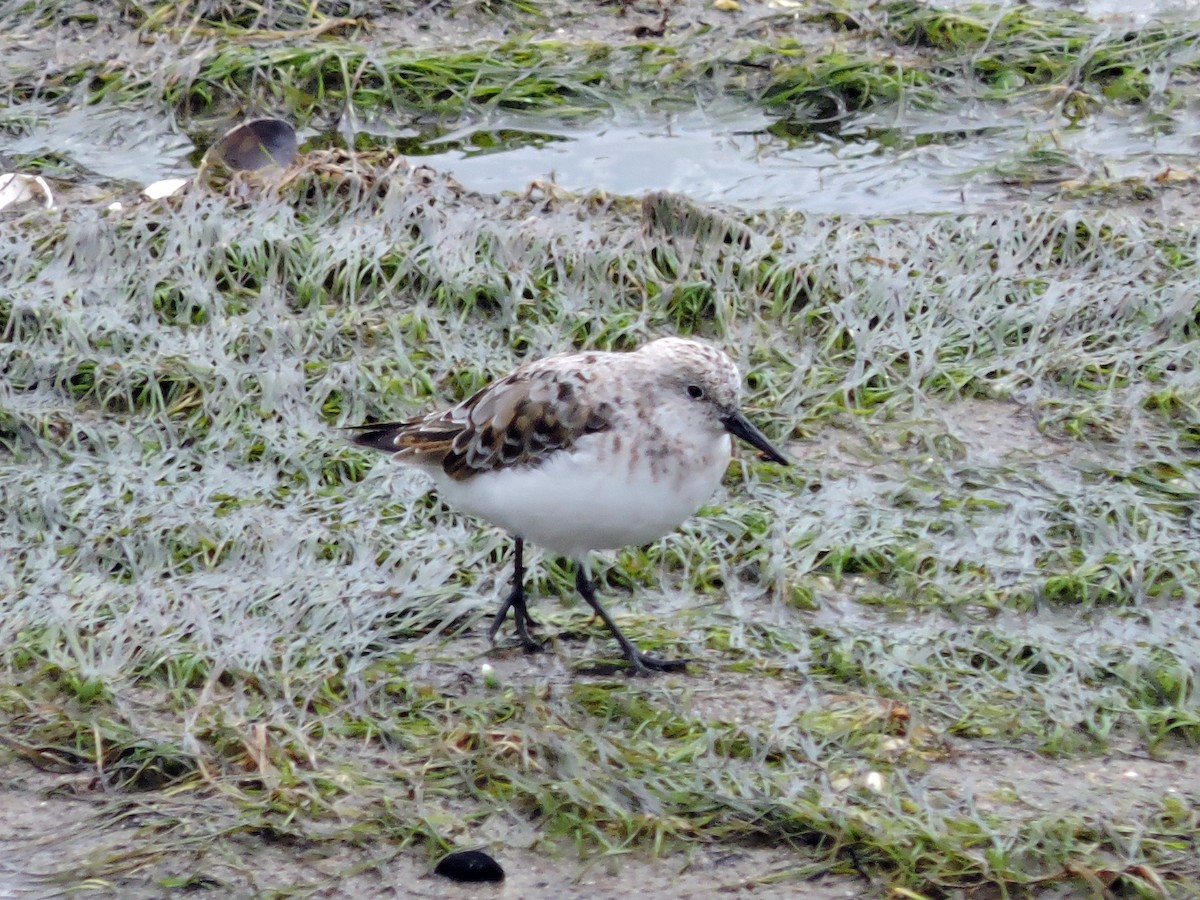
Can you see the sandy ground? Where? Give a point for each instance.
(50, 824)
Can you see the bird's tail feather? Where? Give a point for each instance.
(392, 437)
(380, 436)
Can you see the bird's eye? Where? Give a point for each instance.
(695, 392)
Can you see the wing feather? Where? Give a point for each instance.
(517, 421)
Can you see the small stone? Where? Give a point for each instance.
(469, 865)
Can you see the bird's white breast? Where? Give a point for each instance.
(595, 496)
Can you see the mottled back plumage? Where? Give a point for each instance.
(516, 421)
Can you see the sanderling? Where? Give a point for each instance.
(584, 451)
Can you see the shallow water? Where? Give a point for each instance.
(108, 143)
(730, 159)
(885, 163)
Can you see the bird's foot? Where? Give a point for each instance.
(521, 617)
(644, 665)
(528, 641)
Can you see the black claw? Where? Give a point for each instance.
(645, 664)
(521, 618)
(528, 641)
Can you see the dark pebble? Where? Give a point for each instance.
(469, 865)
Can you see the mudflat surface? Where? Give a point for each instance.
(950, 652)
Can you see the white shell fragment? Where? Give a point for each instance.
(158, 189)
(490, 678)
(17, 188)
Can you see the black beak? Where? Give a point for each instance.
(741, 427)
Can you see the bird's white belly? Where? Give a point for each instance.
(575, 502)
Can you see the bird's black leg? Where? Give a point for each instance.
(516, 602)
(641, 663)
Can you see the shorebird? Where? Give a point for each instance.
(584, 451)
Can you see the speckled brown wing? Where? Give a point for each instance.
(517, 421)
